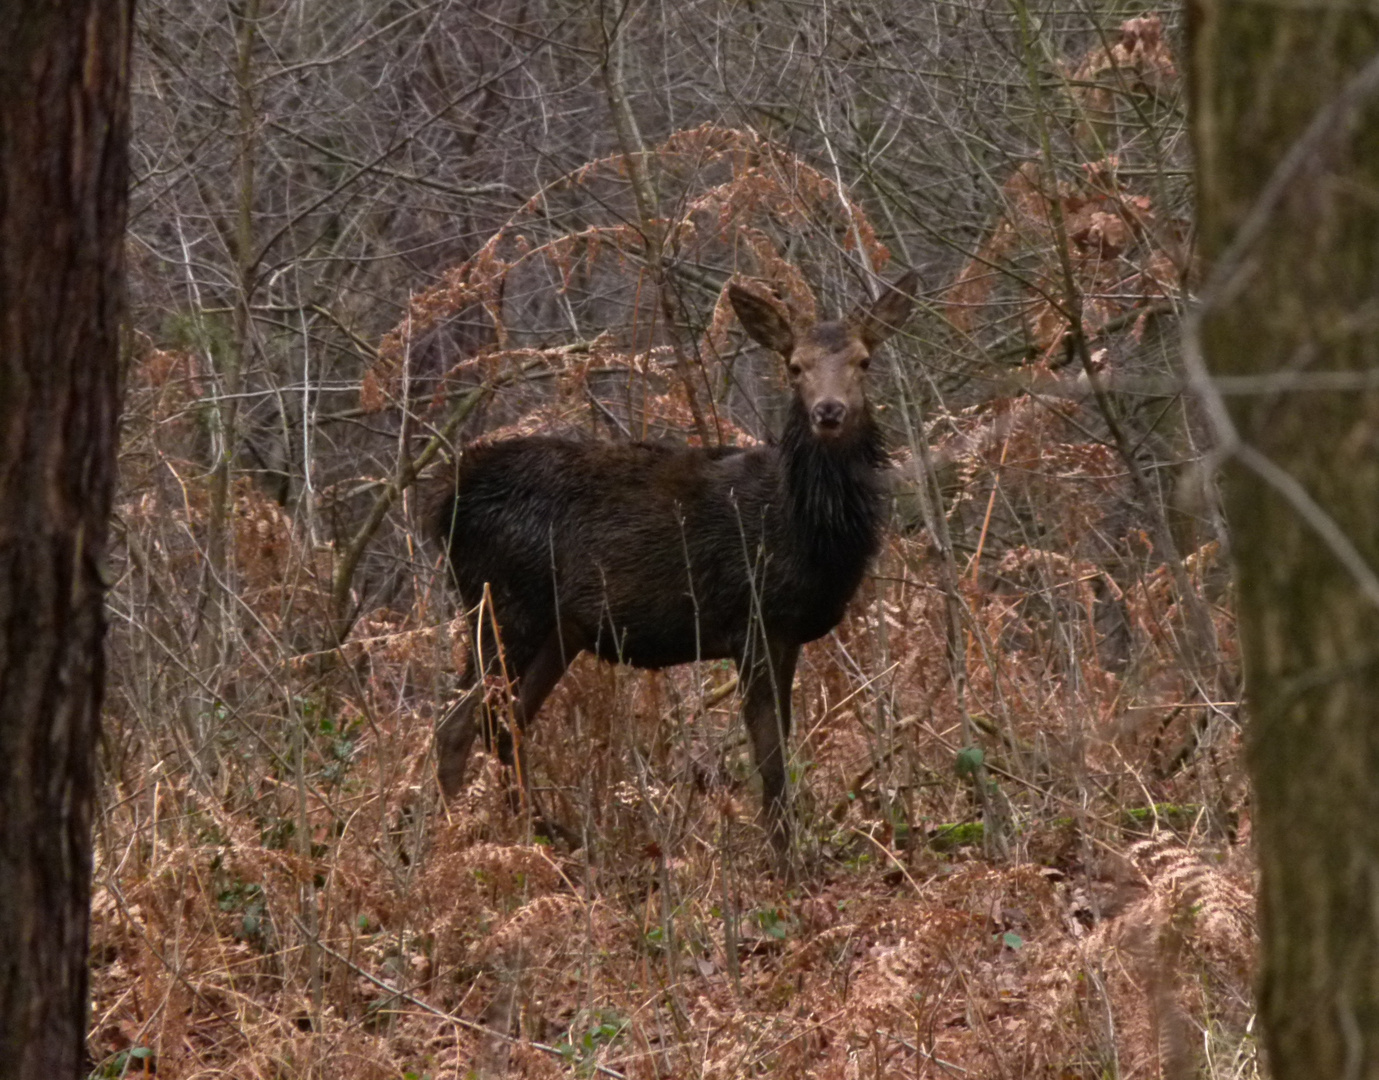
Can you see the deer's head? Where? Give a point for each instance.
(828, 362)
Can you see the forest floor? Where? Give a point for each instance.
(292, 899)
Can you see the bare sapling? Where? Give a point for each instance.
(654, 554)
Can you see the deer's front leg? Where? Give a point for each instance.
(767, 681)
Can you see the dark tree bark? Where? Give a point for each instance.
(63, 135)
(1293, 288)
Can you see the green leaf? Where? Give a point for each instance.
(969, 760)
(1012, 940)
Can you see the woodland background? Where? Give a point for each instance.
(363, 234)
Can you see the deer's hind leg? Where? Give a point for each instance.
(455, 733)
(538, 679)
(473, 712)
(541, 673)
(534, 674)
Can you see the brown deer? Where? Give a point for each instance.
(653, 554)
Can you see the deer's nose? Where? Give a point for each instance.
(829, 414)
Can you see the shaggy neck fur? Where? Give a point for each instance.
(833, 489)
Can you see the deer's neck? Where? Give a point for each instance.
(833, 490)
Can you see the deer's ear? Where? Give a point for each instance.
(890, 311)
(762, 321)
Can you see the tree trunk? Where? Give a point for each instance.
(1300, 294)
(63, 134)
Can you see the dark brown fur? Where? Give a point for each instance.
(653, 554)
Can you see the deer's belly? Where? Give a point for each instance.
(683, 633)
(655, 649)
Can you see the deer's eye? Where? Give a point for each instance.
(864, 363)
(794, 369)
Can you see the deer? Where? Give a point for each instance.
(655, 554)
